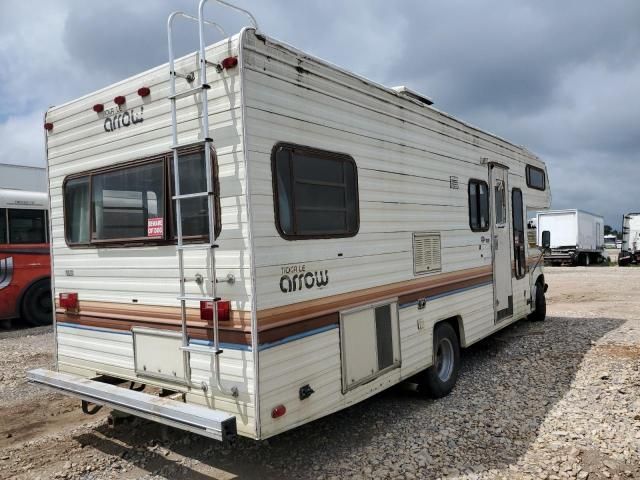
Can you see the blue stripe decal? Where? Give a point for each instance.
(228, 346)
(297, 336)
(446, 294)
(95, 329)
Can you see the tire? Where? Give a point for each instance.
(586, 259)
(36, 304)
(540, 313)
(439, 379)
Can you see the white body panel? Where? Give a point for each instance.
(23, 199)
(572, 228)
(21, 177)
(414, 164)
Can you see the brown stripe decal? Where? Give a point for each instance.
(274, 323)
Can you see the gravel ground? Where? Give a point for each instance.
(559, 399)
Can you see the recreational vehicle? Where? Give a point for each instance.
(630, 249)
(267, 238)
(577, 237)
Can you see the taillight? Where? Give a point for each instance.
(69, 301)
(278, 411)
(98, 107)
(144, 91)
(119, 100)
(224, 310)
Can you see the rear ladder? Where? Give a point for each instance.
(200, 88)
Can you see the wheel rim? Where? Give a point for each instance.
(43, 302)
(444, 359)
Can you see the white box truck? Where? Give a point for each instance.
(576, 236)
(630, 251)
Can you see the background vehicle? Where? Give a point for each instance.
(630, 249)
(273, 239)
(25, 270)
(610, 241)
(576, 236)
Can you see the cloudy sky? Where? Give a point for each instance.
(562, 78)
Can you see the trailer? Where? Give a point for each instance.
(577, 236)
(266, 238)
(630, 248)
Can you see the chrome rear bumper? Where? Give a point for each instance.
(193, 418)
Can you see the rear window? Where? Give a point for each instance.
(129, 204)
(133, 202)
(315, 193)
(535, 178)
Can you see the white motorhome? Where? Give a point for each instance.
(363, 238)
(630, 249)
(577, 237)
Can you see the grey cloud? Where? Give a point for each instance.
(558, 77)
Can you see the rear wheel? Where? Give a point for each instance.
(36, 304)
(439, 379)
(540, 313)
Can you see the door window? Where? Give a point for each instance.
(518, 233)
(500, 203)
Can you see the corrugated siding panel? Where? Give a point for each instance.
(80, 143)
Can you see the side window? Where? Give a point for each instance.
(315, 193)
(3, 225)
(518, 233)
(27, 226)
(535, 178)
(478, 205)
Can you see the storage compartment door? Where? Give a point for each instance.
(369, 342)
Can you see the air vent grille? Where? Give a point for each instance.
(427, 257)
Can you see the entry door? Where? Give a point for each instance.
(501, 244)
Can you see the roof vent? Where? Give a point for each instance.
(405, 92)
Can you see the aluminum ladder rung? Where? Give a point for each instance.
(197, 143)
(197, 246)
(191, 91)
(198, 298)
(192, 195)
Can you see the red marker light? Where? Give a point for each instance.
(224, 310)
(278, 411)
(48, 126)
(98, 107)
(144, 91)
(69, 301)
(119, 100)
(229, 62)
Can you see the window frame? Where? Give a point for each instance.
(276, 198)
(528, 177)
(169, 236)
(478, 181)
(524, 234)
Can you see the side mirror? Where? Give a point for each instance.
(546, 239)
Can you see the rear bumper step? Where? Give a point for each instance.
(193, 418)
